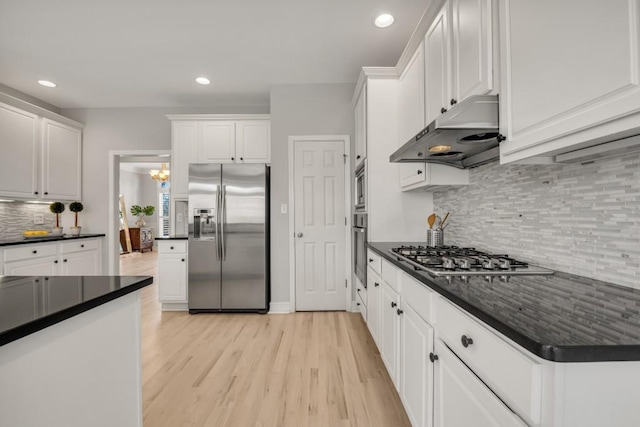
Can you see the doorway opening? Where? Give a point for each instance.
(139, 208)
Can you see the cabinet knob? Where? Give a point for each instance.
(241, 158)
(399, 312)
(358, 304)
(82, 246)
(358, 156)
(433, 357)
(55, 262)
(376, 284)
(35, 192)
(419, 171)
(466, 341)
(500, 137)
(46, 192)
(393, 304)
(35, 252)
(358, 289)
(171, 247)
(370, 259)
(453, 101)
(365, 286)
(64, 260)
(233, 158)
(182, 259)
(443, 110)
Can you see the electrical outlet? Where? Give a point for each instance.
(38, 220)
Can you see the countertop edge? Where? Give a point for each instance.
(553, 353)
(49, 239)
(57, 317)
(172, 238)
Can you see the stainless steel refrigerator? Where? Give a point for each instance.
(228, 237)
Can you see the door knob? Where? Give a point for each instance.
(299, 234)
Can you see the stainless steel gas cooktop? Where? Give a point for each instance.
(450, 261)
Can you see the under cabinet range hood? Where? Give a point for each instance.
(464, 136)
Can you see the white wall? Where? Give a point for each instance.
(320, 109)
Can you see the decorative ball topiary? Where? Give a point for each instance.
(76, 207)
(57, 208)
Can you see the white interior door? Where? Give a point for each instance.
(319, 225)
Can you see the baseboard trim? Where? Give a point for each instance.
(279, 307)
(175, 306)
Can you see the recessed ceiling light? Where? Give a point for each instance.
(47, 83)
(384, 20)
(203, 80)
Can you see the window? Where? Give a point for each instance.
(163, 214)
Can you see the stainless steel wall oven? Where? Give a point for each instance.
(361, 188)
(359, 250)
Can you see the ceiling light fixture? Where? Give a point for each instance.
(203, 80)
(47, 83)
(160, 175)
(384, 20)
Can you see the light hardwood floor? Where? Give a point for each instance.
(299, 369)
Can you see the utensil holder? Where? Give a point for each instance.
(435, 237)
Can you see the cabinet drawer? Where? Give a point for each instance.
(390, 275)
(172, 246)
(511, 374)
(361, 290)
(79, 245)
(417, 295)
(362, 307)
(29, 252)
(373, 260)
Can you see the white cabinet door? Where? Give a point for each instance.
(172, 277)
(217, 142)
(416, 370)
(390, 331)
(253, 141)
(373, 305)
(411, 117)
(566, 76)
(472, 52)
(85, 263)
(19, 153)
(61, 161)
(45, 266)
(184, 150)
(461, 399)
(361, 127)
(436, 52)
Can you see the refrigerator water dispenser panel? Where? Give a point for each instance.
(204, 224)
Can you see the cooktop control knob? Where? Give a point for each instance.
(505, 264)
(448, 263)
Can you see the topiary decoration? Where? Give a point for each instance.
(76, 207)
(57, 208)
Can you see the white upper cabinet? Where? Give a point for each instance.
(253, 141)
(217, 142)
(361, 127)
(437, 65)
(184, 150)
(568, 76)
(459, 58)
(472, 49)
(61, 161)
(19, 145)
(216, 138)
(45, 160)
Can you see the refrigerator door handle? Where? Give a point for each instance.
(223, 220)
(217, 221)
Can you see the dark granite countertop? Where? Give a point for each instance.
(48, 238)
(182, 237)
(31, 303)
(563, 317)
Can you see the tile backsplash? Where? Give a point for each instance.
(581, 219)
(16, 217)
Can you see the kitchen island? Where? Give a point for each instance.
(70, 350)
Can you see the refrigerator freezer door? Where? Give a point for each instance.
(244, 237)
(204, 267)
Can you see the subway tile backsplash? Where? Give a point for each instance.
(16, 217)
(581, 219)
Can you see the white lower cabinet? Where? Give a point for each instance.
(43, 266)
(461, 399)
(390, 330)
(373, 304)
(172, 274)
(416, 370)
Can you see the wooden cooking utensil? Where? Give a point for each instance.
(444, 220)
(431, 220)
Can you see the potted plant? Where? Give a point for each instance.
(141, 212)
(57, 208)
(76, 207)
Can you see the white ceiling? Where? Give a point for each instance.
(143, 53)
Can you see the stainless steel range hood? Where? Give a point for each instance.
(464, 137)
